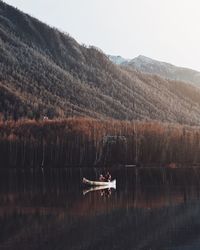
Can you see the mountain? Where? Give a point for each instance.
(44, 72)
(147, 65)
(118, 59)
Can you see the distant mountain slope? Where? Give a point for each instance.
(118, 59)
(45, 72)
(166, 70)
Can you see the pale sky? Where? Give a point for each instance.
(167, 30)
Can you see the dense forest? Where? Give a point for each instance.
(89, 142)
(44, 72)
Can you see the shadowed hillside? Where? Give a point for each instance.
(44, 72)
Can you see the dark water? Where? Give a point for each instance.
(50, 209)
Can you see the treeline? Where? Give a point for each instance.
(90, 142)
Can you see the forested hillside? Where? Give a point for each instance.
(44, 72)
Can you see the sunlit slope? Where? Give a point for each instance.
(165, 70)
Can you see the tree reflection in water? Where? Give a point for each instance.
(150, 209)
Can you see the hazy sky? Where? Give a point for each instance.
(166, 30)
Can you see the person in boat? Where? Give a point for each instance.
(102, 178)
(108, 177)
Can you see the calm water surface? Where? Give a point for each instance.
(51, 209)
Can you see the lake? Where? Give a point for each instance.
(151, 208)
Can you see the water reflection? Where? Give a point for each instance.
(101, 190)
(50, 209)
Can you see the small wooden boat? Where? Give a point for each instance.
(108, 184)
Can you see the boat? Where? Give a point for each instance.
(96, 188)
(107, 184)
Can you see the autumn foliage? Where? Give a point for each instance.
(89, 142)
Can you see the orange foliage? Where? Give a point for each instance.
(81, 141)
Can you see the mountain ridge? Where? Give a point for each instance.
(167, 70)
(44, 72)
